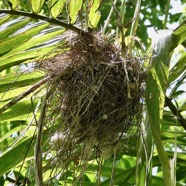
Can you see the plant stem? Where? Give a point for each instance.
(108, 18)
(38, 144)
(144, 154)
(175, 112)
(135, 18)
(163, 157)
(166, 14)
(44, 18)
(37, 149)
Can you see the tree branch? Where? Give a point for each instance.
(44, 18)
(175, 112)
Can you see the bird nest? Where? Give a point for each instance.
(96, 100)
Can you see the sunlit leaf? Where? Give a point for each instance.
(158, 76)
(19, 111)
(36, 5)
(4, 18)
(4, 129)
(20, 38)
(177, 85)
(75, 7)
(56, 7)
(178, 68)
(46, 35)
(16, 155)
(12, 26)
(25, 57)
(6, 96)
(183, 106)
(94, 15)
(10, 132)
(178, 36)
(14, 3)
(155, 94)
(13, 81)
(120, 178)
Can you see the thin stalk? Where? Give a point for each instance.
(123, 47)
(108, 18)
(122, 11)
(120, 25)
(38, 144)
(174, 160)
(166, 14)
(98, 181)
(135, 18)
(37, 149)
(163, 157)
(122, 16)
(144, 155)
(113, 169)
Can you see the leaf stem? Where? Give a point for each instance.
(135, 18)
(175, 112)
(37, 149)
(166, 14)
(44, 18)
(108, 18)
(163, 157)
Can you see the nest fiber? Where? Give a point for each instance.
(97, 97)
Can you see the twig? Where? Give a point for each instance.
(23, 95)
(135, 18)
(113, 169)
(108, 18)
(120, 25)
(175, 112)
(166, 14)
(100, 163)
(44, 18)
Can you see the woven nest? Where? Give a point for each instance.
(96, 101)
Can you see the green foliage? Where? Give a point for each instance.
(155, 96)
(25, 40)
(75, 7)
(13, 157)
(36, 5)
(56, 7)
(94, 15)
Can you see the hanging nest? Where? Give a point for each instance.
(96, 100)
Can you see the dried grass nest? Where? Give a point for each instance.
(96, 101)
